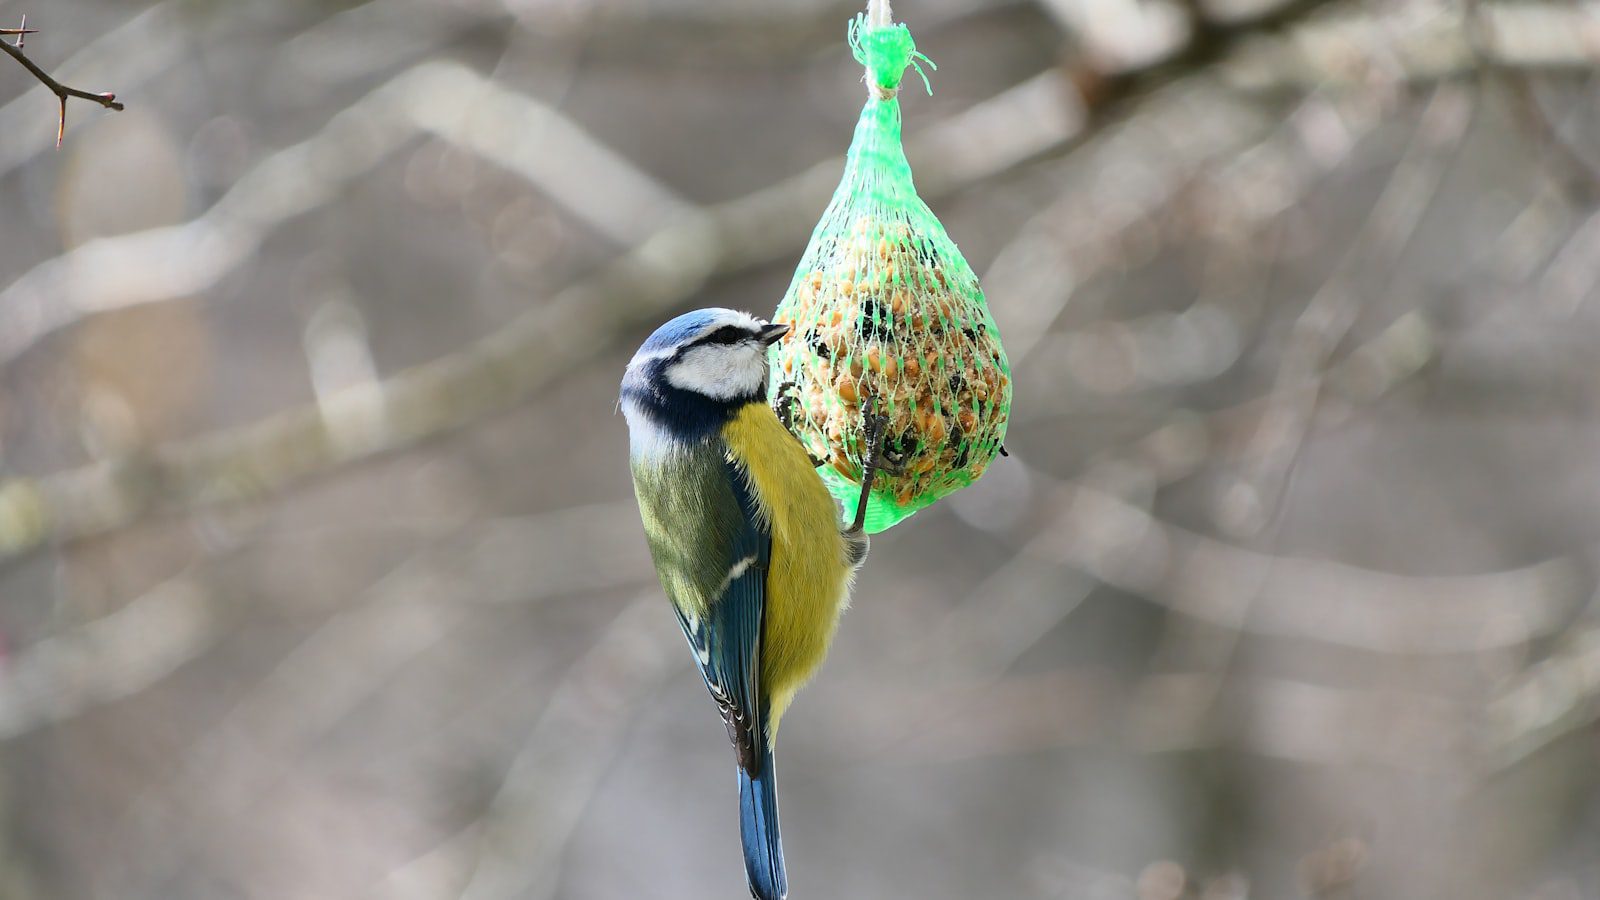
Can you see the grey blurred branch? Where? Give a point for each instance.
(522, 560)
(1377, 247)
(1020, 714)
(1303, 599)
(108, 659)
(62, 92)
(515, 847)
(1583, 173)
(524, 833)
(1550, 699)
(347, 658)
(1360, 45)
(1285, 719)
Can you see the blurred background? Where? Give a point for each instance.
(320, 572)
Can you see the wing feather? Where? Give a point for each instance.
(726, 640)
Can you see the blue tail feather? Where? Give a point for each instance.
(758, 825)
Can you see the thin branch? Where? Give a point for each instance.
(143, 47)
(62, 92)
(1301, 598)
(21, 32)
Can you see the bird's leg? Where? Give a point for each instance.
(875, 428)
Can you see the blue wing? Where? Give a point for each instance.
(727, 645)
(727, 642)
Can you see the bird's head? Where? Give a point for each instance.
(694, 372)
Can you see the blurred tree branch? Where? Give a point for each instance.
(1294, 720)
(1583, 174)
(62, 92)
(1546, 701)
(346, 659)
(1277, 718)
(1122, 544)
(1358, 45)
(104, 660)
(491, 563)
(523, 834)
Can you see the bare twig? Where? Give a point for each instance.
(62, 92)
(21, 32)
(138, 50)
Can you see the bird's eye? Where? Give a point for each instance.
(727, 334)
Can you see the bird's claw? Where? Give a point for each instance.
(785, 406)
(784, 409)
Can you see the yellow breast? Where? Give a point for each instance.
(808, 583)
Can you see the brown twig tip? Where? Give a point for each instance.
(62, 92)
(21, 31)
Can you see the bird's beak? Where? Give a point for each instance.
(770, 334)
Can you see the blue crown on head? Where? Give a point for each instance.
(680, 329)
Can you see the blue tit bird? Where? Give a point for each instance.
(745, 537)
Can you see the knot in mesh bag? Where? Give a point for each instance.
(888, 319)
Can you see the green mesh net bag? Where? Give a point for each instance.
(888, 317)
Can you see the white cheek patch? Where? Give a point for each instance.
(721, 371)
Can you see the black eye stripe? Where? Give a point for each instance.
(727, 334)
